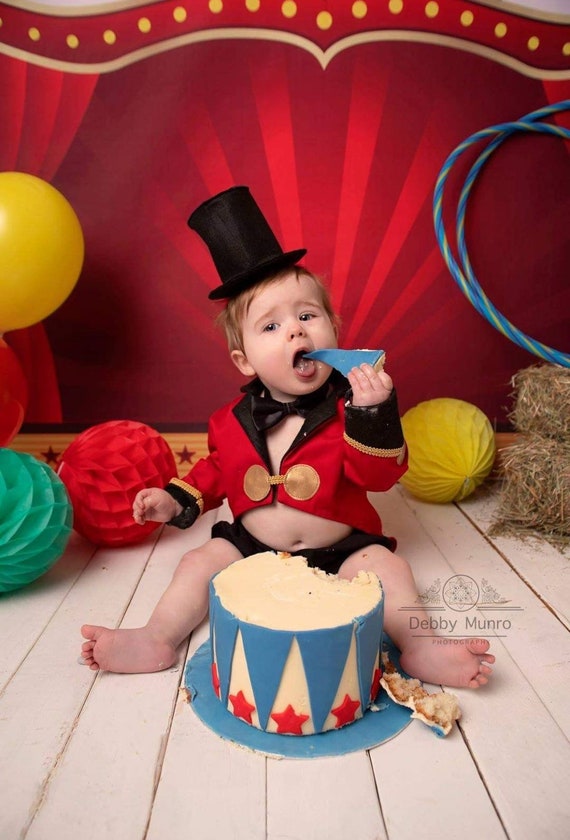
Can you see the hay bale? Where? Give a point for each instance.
(542, 401)
(535, 497)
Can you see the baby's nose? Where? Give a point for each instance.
(297, 331)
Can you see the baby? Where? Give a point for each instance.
(294, 455)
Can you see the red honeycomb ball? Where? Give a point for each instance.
(103, 470)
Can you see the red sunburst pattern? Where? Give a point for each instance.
(343, 161)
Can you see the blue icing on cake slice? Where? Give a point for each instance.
(345, 360)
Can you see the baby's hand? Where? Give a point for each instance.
(154, 505)
(369, 387)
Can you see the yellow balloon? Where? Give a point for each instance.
(41, 250)
(451, 449)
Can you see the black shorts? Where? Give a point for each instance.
(328, 559)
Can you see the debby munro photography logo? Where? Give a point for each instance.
(461, 606)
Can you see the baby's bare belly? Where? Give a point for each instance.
(287, 529)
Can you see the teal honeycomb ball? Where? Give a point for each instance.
(36, 519)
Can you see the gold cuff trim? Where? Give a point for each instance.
(300, 482)
(399, 454)
(192, 491)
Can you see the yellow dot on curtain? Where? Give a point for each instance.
(34, 34)
(179, 14)
(324, 20)
(215, 6)
(533, 43)
(144, 25)
(466, 18)
(252, 5)
(109, 37)
(359, 10)
(432, 9)
(396, 6)
(289, 9)
(500, 30)
(72, 41)
(566, 48)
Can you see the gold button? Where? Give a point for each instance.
(301, 482)
(256, 483)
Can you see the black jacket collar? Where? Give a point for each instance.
(338, 386)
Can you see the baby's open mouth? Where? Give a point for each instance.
(302, 365)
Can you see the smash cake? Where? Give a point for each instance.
(294, 650)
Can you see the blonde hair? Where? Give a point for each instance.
(231, 317)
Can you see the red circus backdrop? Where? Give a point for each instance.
(339, 116)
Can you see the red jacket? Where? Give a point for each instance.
(339, 454)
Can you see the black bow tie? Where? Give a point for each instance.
(267, 412)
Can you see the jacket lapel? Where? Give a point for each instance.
(242, 412)
(319, 415)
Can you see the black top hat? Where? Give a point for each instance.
(242, 244)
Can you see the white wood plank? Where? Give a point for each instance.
(123, 731)
(430, 787)
(209, 788)
(544, 566)
(536, 639)
(85, 755)
(41, 703)
(25, 612)
(516, 724)
(523, 756)
(314, 799)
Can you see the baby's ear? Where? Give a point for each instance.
(240, 361)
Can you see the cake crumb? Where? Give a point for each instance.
(439, 710)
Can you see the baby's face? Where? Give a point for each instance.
(285, 320)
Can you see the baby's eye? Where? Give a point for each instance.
(270, 327)
(306, 316)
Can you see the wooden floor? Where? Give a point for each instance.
(90, 756)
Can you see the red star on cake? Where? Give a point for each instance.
(289, 722)
(215, 679)
(242, 708)
(375, 688)
(345, 713)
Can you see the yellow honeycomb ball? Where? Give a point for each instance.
(451, 449)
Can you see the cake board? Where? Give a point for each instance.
(379, 724)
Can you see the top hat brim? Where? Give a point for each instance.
(235, 285)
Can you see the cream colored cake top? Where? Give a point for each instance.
(281, 592)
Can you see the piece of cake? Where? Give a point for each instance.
(294, 650)
(439, 711)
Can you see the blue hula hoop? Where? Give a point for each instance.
(461, 269)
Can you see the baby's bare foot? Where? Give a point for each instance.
(135, 651)
(460, 663)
